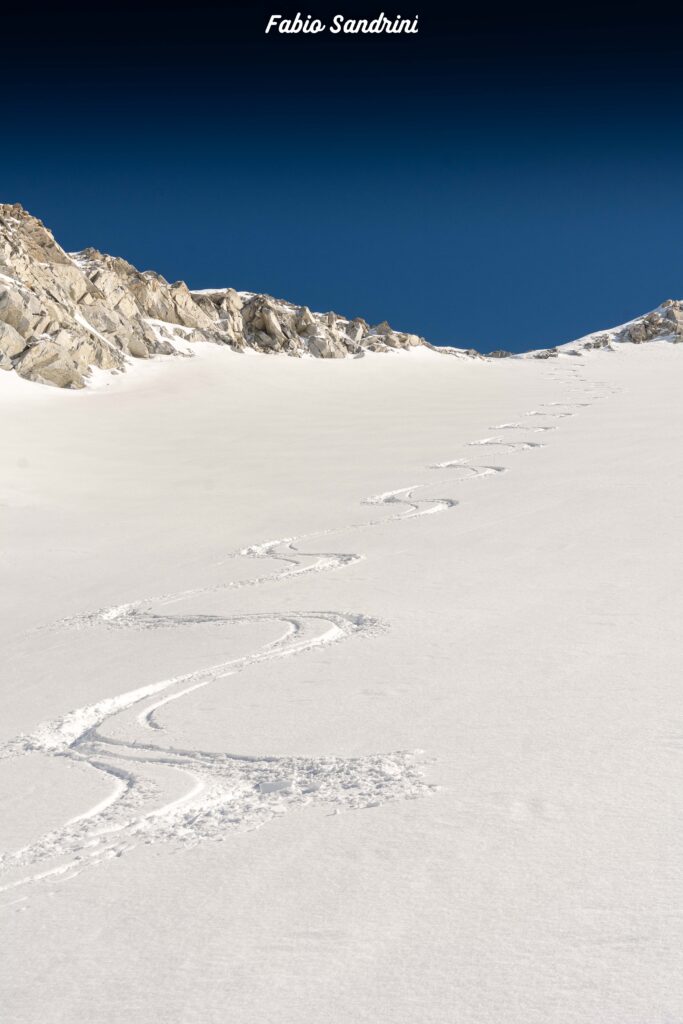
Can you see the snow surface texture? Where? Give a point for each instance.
(228, 791)
(496, 536)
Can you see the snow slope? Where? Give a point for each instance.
(341, 691)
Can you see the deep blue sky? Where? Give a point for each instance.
(496, 181)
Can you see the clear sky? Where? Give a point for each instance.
(497, 180)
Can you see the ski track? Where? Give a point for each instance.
(170, 794)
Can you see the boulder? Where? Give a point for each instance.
(20, 309)
(137, 347)
(304, 320)
(48, 363)
(271, 324)
(11, 342)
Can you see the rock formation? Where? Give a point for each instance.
(663, 324)
(61, 314)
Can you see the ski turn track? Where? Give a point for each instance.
(162, 793)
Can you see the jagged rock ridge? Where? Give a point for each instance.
(63, 313)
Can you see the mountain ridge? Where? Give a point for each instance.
(63, 314)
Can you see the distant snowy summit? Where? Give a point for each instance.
(61, 314)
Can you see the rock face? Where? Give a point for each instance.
(61, 314)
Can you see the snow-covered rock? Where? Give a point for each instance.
(663, 324)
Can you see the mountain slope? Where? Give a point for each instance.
(61, 314)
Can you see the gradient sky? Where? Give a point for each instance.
(498, 180)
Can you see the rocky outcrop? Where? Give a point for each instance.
(599, 341)
(63, 314)
(663, 324)
(55, 323)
